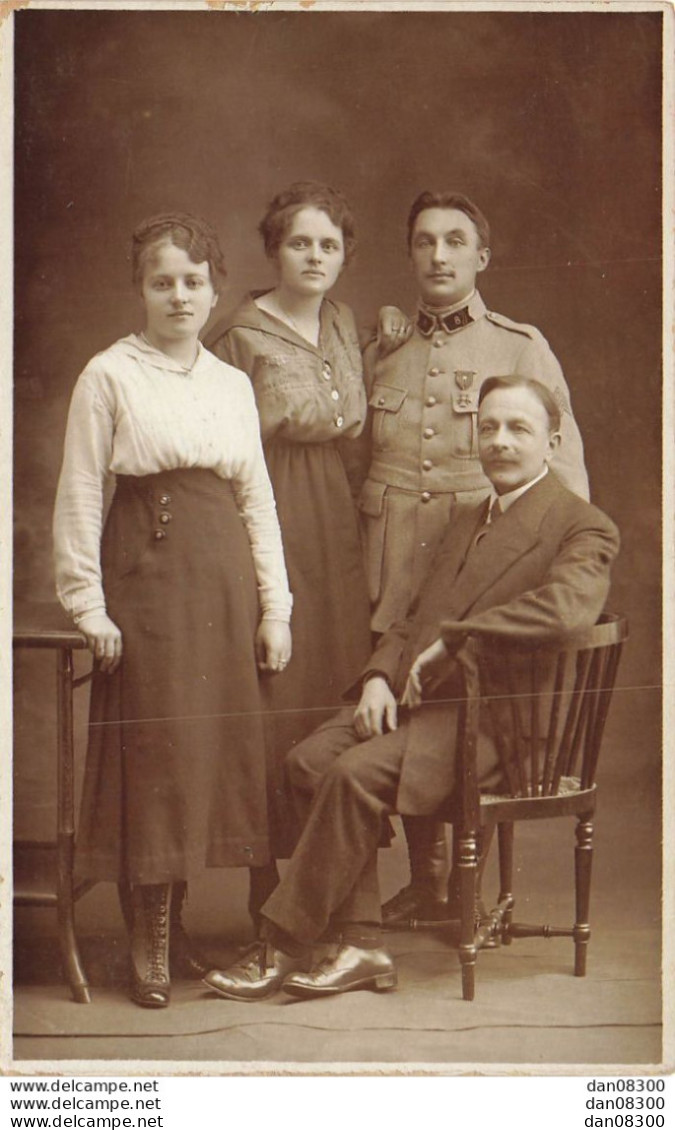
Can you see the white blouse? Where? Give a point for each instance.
(135, 411)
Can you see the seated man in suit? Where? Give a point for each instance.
(534, 560)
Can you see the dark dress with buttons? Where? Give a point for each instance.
(175, 776)
(312, 408)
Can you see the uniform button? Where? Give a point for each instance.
(165, 517)
(430, 401)
(335, 395)
(426, 497)
(427, 465)
(438, 345)
(429, 433)
(381, 401)
(159, 534)
(164, 499)
(339, 421)
(434, 372)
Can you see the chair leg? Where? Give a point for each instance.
(583, 861)
(468, 868)
(70, 954)
(505, 838)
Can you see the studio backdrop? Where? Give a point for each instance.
(549, 120)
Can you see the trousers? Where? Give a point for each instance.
(343, 789)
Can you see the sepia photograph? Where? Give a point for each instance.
(336, 675)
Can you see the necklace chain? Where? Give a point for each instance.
(287, 317)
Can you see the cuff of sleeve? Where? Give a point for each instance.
(282, 615)
(97, 610)
(453, 634)
(375, 674)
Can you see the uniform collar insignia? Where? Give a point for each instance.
(430, 320)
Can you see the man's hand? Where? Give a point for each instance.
(425, 671)
(376, 709)
(104, 640)
(273, 645)
(393, 329)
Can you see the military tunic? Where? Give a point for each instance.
(424, 404)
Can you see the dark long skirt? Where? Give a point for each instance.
(175, 772)
(331, 610)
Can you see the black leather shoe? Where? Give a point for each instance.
(412, 903)
(350, 968)
(185, 960)
(258, 974)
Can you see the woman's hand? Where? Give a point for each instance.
(393, 329)
(104, 640)
(273, 645)
(423, 670)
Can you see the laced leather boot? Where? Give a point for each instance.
(150, 983)
(185, 960)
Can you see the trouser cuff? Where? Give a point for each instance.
(363, 935)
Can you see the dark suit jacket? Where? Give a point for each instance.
(541, 571)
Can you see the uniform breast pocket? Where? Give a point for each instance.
(465, 423)
(386, 403)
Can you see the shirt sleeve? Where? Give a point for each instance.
(538, 361)
(255, 500)
(78, 512)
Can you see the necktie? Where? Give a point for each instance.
(494, 512)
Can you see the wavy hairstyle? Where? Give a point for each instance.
(190, 233)
(276, 223)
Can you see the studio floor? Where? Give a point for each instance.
(529, 1008)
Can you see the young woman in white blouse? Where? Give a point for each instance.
(183, 597)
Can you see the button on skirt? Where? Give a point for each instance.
(175, 770)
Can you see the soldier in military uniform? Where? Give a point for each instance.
(424, 401)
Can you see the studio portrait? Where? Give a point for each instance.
(337, 569)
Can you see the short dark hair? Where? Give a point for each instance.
(514, 380)
(190, 233)
(276, 223)
(449, 200)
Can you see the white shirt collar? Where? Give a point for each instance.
(508, 499)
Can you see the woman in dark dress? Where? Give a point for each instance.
(302, 354)
(182, 597)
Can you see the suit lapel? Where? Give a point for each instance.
(511, 537)
(457, 541)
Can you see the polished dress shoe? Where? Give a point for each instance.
(413, 903)
(350, 968)
(258, 974)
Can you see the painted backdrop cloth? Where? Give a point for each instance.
(175, 773)
(312, 406)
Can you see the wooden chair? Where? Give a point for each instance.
(545, 705)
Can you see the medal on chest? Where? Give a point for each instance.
(464, 381)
